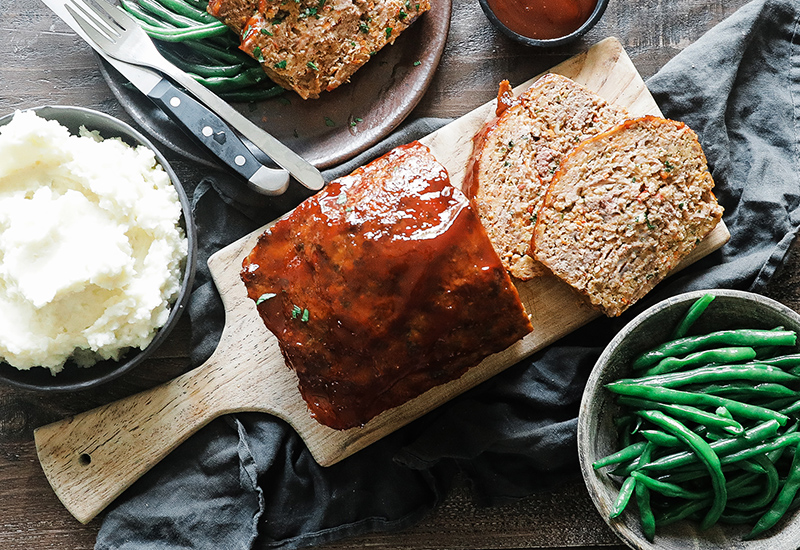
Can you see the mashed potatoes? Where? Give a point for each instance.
(91, 252)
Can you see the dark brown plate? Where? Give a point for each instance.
(338, 125)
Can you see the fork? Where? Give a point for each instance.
(118, 35)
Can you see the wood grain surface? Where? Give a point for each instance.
(45, 63)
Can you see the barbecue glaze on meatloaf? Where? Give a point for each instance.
(382, 286)
(624, 209)
(313, 45)
(516, 154)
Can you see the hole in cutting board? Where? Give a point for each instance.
(85, 459)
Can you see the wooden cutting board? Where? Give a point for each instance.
(91, 458)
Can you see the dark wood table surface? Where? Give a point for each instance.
(43, 62)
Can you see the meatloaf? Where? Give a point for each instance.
(624, 208)
(313, 45)
(382, 286)
(516, 154)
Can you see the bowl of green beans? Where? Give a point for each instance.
(689, 426)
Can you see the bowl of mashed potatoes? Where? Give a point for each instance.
(97, 248)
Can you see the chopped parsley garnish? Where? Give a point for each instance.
(402, 15)
(355, 121)
(668, 166)
(363, 27)
(342, 198)
(313, 66)
(300, 313)
(258, 55)
(329, 121)
(648, 222)
(264, 297)
(388, 32)
(280, 64)
(417, 63)
(265, 31)
(308, 12)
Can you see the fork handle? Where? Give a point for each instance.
(284, 157)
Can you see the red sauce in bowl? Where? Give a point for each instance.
(543, 19)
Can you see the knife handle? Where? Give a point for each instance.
(218, 137)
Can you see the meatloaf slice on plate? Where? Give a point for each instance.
(314, 45)
(624, 208)
(381, 287)
(516, 154)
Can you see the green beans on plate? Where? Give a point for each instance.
(709, 428)
(193, 40)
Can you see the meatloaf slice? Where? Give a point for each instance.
(624, 208)
(381, 287)
(315, 45)
(515, 156)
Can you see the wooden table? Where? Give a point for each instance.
(44, 62)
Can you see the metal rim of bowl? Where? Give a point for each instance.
(594, 384)
(595, 16)
(84, 378)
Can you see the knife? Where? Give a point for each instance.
(200, 122)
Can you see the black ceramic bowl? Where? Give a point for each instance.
(73, 377)
(594, 17)
(597, 436)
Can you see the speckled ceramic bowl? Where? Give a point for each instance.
(594, 17)
(74, 378)
(597, 436)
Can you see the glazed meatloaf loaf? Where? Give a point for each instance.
(313, 45)
(382, 286)
(624, 208)
(515, 156)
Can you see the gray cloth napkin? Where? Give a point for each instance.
(248, 478)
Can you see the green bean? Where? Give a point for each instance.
(694, 312)
(201, 69)
(666, 488)
(706, 455)
(738, 337)
(241, 80)
(222, 55)
(660, 438)
(764, 497)
(142, 15)
(180, 35)
(719, 356)
(623, 497)
(722, 447)
(177, 19)
(755, 372)
(668, 395)
(682, 511)
(645, 511)
(627, 453)
(783, 361)
(784, 499)
(761, 448)
(686, 412)
(751, 437)
(743, 390)
(751, 466)
(791, 409)
(188, 10)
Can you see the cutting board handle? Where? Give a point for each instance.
(91, 458)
